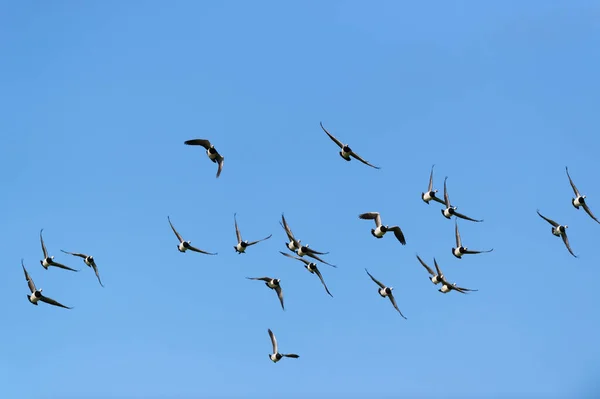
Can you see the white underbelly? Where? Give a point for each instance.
(427, 197)
(457, 253)
(378, 232)
(182, 248)
(45, 262)
(240, 248)
(33, 298)
(445, 289)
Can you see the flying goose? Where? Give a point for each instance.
(385, 291)
(272, 283)
(36, 295)
(295, 246)
(431, 193)
(212, 153)
(459, 251)
(276, 356)
(346, 152)
(49, 260)
(241, 246)
(559, 231)
(451, 210)
(88, 260)
(447, 287)
(380, 229)
(579, 200)
(185, 245)
(311, 267)
(437, 276)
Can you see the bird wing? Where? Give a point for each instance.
(53, 302)
(292, 355)
(237, 230)
(430, 187)
(312, 255)
(43, 245)
(30, 282)
(462, 290)
(566, 241)
(478, 252)
(257, 241)
(75, 254)
(288, 231)
(399, 234)
(220, 161)
(358, 157)
(318, 273)
(437, 268)
(572, 184)
(332, 137)
(371, 216)
(552, 222)
(175, 231)
(295, 257)
(589, 212)
(457, 234)
(312, 251)
(273, 341)
(60, 265)
(279, 292)
(375, 280)
(204, 143)
(446, 196)
(97, 274)
(260, 278)
(201, 251)
(460, 215)
(393, 300)
(425, 266)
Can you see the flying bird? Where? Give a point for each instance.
(579, 200)
(272, 283)
(36, 295)
(437, 276)
(311, 267)
(185, 245)
(380, 229)
(386, 291)
(49, 260)
(276, 356)
(559, 231)
(447, 287)
(459, 251)
(211, 151)
(346, 152)
(451, 210)
(241, 246)
(299, 249)
(88, 260)
(294, 244)
(431, 193)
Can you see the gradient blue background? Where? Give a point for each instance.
(98, 97)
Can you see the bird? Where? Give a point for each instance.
(447, 287)
(241, 246)
(437, 276)
(311, 267)
(431, 193)
(459, 251)
(579, 200)
(185, 245)
(559, 231)
(272, 283)
(380, 229)
(451, 210)
(276, 356)
(88, 260)
(49, 260)
(211, 151)
(385, 291)
(36, 295)
(299, 249)
(347, 152)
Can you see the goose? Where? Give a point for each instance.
(276, 356)
(447, 287)
(36, 295)
(459, 251)
(185, 245)
(88, 260)
(311, 267)
(272, 283)
(451, 210)
(559, 231)
(241, 246)
(299, 249)
(346, 152)
(431, 193)
(435, 278)
(49, 260)
(385, 291)
(579, 200)
(380, 229)
(211, 151)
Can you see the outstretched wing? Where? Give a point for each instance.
(358, 157)
(75, 254)
(375, 280)
(51, 301)
(279, 292)
(201, 251)
(202, 142)
(97, 274)
(260, 278)
(43, 245)
(457, 234)
(460, 215)
(437, 268)
(30, 282)
(220, 160)
(295, 257)
(371, 216)
(430, 187)
(425, 266)
(399, 234)
(572, 184)
(60, 265)
(273, 341)
(288, 231)
(566, 241)
(318, 273)
(589, 212)
(446, 196)
(312, 255)
(331, 136)
(175, 231)
(552, 222)
(478, 252)
(393, 300)
(237, 230)
(257, 241)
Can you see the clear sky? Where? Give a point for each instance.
(98, 97)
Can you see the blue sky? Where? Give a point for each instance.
(98, 98)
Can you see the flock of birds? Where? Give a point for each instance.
(301, 251)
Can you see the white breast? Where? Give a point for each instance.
(447, 213)
(45, 263)
(457, 252)
(182, 248)
(378, 232)
(445, 289)
(33, 298)
(382, 292)
(291, 246)
(427, 197)
(240, 248)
